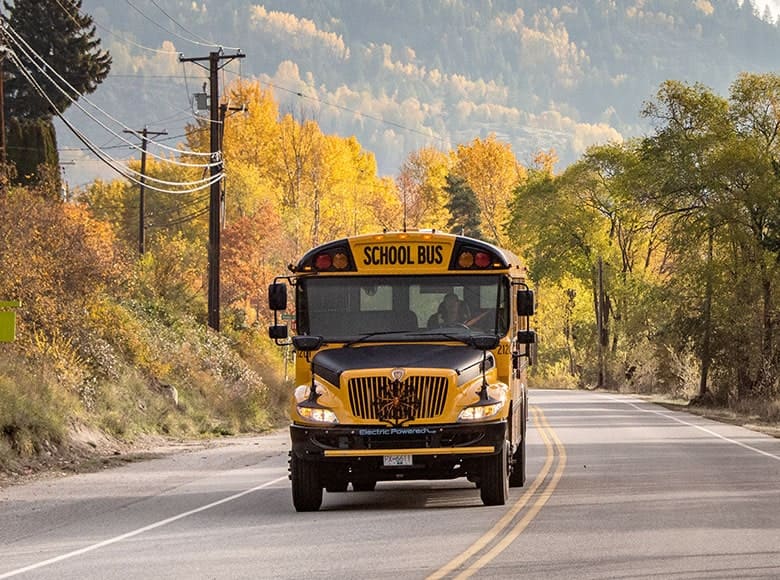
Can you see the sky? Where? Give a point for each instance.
(774, 6)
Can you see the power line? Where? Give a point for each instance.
(126, 172)
(27, 51)
(301, 95)
(117, 35)
(158, 25)
(187, 218)
(190, 32)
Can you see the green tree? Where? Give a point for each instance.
(463, 207)
(64, 37)
(691, 124)
(30, 144)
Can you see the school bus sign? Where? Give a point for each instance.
(425, 256)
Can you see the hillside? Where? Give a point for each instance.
(406, 74)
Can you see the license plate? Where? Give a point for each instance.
(397, 460)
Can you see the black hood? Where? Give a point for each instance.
(464, 360)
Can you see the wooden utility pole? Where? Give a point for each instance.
(145, 134)
(215, 198)
(3, 153)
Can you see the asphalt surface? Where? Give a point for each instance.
(617, 488)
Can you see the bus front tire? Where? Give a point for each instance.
(494, 483)
(306, 486)
(517, 478)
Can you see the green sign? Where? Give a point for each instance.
(286, 316)
(8, 320)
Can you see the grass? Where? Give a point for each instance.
(131, 373)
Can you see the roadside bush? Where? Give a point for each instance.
(32, 416)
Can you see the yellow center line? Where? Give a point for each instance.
(511, 536)
(490, 535)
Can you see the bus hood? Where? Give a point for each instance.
(464, 360)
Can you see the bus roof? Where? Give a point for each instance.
(409, 252)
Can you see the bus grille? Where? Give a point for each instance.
(427, 395)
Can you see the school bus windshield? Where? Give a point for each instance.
(347, 308)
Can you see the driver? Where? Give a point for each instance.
(452, 311)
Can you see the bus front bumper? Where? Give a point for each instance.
(386, 453)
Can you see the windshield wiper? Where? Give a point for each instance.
(365, 337)
(464, 339)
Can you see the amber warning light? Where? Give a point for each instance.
(470, 259)
(332, 260)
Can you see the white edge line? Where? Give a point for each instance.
(138, 531)
(699, 427)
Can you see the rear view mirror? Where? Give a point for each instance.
(525, 302)
(526, 336)
(485, 341)
(278, 331)
(277, 296)
(306, 343)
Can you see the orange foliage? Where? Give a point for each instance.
(253, 250)
(53, 257)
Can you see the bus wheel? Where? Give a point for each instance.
(365, 485)
(494, 486)
(517, 479)
(306, 486)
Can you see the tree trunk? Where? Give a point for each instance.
(706, 356)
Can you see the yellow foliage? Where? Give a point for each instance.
(492, 172)
(421, 184)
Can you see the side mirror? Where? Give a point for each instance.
(485, 341)
(525, 302)
(526, 336)
(306, 343)
(277, 332)
(277, 296)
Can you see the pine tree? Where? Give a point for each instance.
(463, 207)
(65, 38)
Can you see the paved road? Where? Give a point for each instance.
(617, 488)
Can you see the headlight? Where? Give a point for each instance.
(480, 412)
(318, 414)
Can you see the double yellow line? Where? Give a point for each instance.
(506, 530)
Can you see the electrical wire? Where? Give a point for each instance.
(158, 25)
(179, 221)
(116, 34)
(190, 32)
(125, 172)
(343, 108)
(27, 50)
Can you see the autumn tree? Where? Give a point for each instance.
(251, 257)
(55, 259)
(421, 186)
(490, 169)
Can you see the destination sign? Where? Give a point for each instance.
(403, 255)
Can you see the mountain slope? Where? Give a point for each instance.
(407, 73)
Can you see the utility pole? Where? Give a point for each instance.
(145, 134)
(3, 153)
(215, 197)
(65, 188)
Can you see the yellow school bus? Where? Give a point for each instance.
(411, 351)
